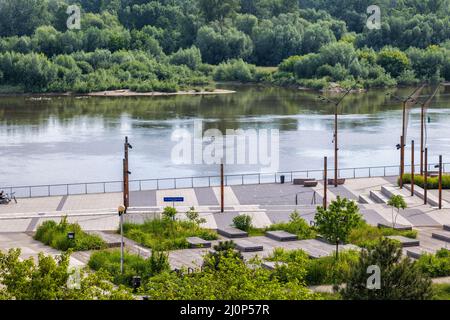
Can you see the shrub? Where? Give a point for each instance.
(134, 265)
(235, 70)
(169, 213)
(243, 222)
(432, 182)
(194, 216)
(436, 265)
(297, 225)
(365, 235)
(55, 235)
(189, 57)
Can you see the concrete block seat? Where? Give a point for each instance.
(248, 246)
(446, 227)
(397, 227)
(271, 265)
(302, 181)
(281, 236)
(196, 242)
(231, 232)
(112, 240)
(441, 235)
(310, 183)
(406, 242)
(340, 181)
(416, 252)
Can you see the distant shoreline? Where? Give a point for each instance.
(117, 94)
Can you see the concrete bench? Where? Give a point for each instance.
(310, 183)
(416, 252)
(112, 240)
(281, 236)
(271, 265)
(340, 181)
(231, 232)
(441, 235)
(196, 242)
(301, 181)
(397, 227)
(248, 246)
(405, 242)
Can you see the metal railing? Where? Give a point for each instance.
(203, 181)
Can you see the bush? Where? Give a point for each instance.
(169, 213)
(55, 235)
(166, 234)
(189, 57)
(243, 222)
(432, 182)
(365, 235)
(435, 265)
(235, 70)
(297, 225)
(133, 265)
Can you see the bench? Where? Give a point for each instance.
(310, 183)
(302, 181)
(397, 227)
(405, 242)
(231, 232)
(340, 181)
(446, 227)
(248, 246)
(196, 242)
(281, 236)
(441, 235)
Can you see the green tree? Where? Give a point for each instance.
(337, 221)
(169, 213)
(397, 202)
(213, 10)
(400, 278)
(394, 61)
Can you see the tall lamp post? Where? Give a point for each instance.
(325, 171)
(404, 102)
(126, 173)
(440, 181)
(424, 107)
(121, 210)
(336, 104)
(222, 196)
(425, 181)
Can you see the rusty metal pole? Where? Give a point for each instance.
(440, 182)
(412, 168)
(422, 131)
(336, 147)
(126, 177)
(402, 152)
(425, 179)
(325, 181)
(222, 207)
(401, 167)
(124, 184)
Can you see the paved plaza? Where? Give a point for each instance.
(265, 203)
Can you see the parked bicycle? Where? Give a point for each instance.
(6, 198)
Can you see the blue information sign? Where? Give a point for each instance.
(173, 199)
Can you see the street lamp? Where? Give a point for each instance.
(440, 180)
(336, 104)
(126, 173)
(121, 210)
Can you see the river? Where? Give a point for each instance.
(67, 139)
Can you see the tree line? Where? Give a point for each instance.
(185, 38)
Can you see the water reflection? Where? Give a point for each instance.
(76, 140)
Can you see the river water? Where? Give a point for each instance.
(66, 140)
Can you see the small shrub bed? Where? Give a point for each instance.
(55, 235)
(436, 265)
(166, 234)
(366, 235)
(432, 182)
(326, 270)
(297, 225)
(133, 265)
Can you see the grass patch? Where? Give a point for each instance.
(134, 265)
(366, 235)
(441, 291)
(55, 235)
(165, 234)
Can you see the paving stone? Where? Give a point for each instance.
(231, 232)
(112, 240)
(271, 265)
(248, 246)
(406, 242)
(281, 236)
(397, 227)
(196, 242)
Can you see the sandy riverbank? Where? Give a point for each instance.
(129, 93)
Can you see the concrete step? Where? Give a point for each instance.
(446, 227)
(365, 199)
(417, 252)
(378, 197)
(432, 200)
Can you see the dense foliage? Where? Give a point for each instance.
(436, 265)
(400, 278)
(133, 265)
(166, 234)
(167, 45)
(296, 225)
(432, 182)
(56, 236)
(365, 235)
(50, 279)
